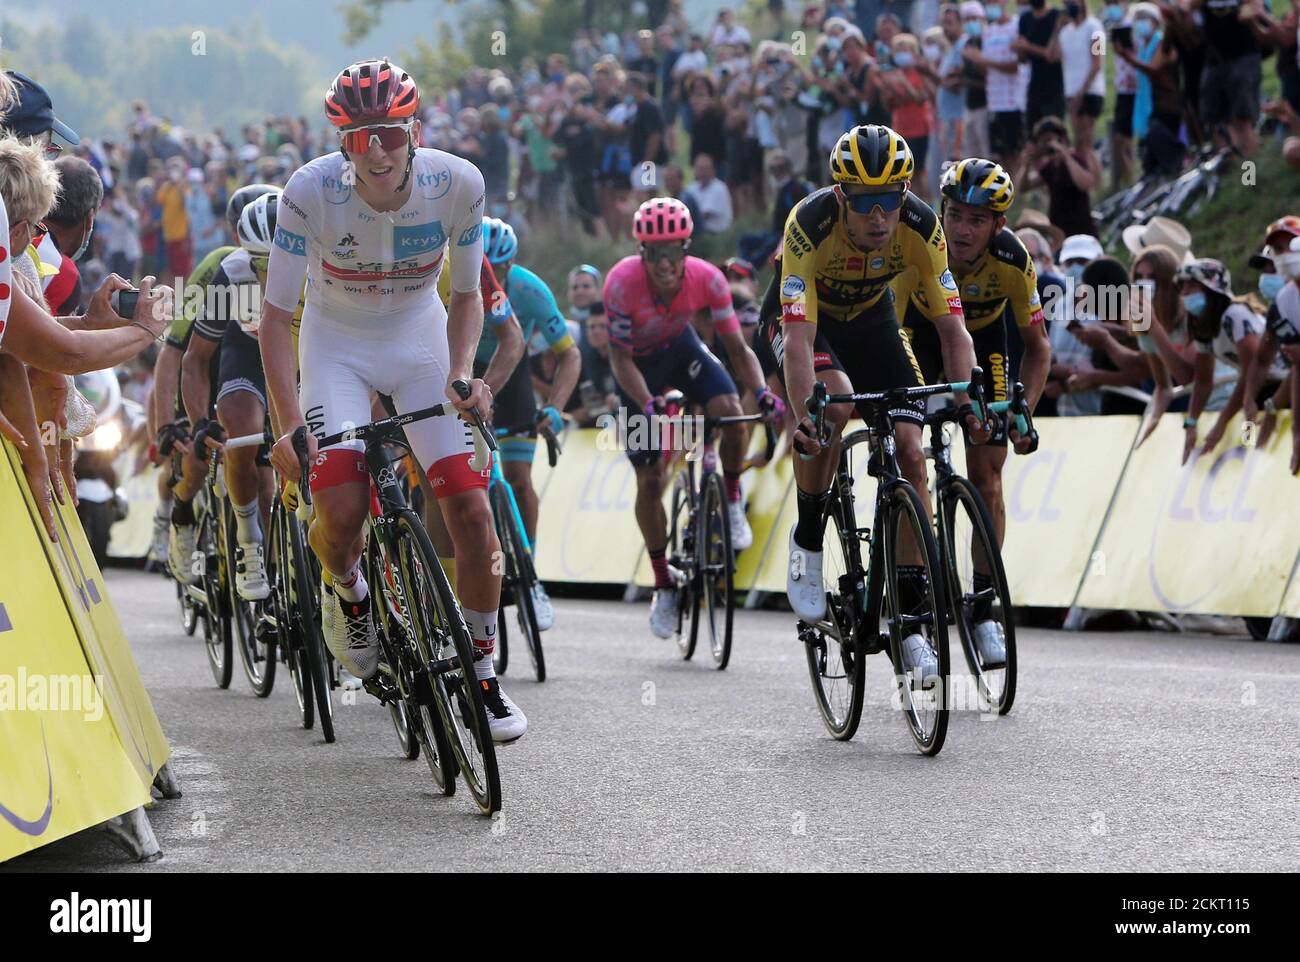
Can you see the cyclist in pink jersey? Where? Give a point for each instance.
(650, 299)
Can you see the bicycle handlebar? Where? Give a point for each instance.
(553, 446)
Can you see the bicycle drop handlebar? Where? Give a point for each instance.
(821, 399)
(480, 460)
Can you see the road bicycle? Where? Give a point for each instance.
(976, 583)
(227, 619)
(427, 663)
(518, 573)
(865, 613)
(699, 539)
(293, 614)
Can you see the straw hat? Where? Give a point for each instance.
(1160, 230)
(1040, 222)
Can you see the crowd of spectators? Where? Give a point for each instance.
(736, 120)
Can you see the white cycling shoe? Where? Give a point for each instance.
(543, 608)
(505, 719)
(991, 644)
(663, 613)
(160, 548)
(919, 659)
(349, 633)
(742, 536)
(250, 572)
(180, 553)
(803, 582)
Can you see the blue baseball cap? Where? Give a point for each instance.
(34, 112)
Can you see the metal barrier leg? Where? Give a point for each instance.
(1074, 618)
(166, 782)
(1282, 628)
(134, 834)
(755, 599)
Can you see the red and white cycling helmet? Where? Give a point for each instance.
(662, 219)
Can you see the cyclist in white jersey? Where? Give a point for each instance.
(369, 228)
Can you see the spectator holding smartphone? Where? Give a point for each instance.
(1069, 175)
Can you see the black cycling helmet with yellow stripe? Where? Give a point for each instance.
(980, 183)
(872, 155)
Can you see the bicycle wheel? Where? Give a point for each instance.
(305, 615)
(518, 580)
(968, 546)
(280, 579)
(716, 569)
(402, 668)
(681, 556)
(924, 702)
(217, 630)
(835, 664)
(255, 643)
(442, 641)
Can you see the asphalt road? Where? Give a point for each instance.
(1124, 752)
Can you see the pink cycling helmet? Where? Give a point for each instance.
(662, 219)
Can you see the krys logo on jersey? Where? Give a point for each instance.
(433, 184)
(418, 239)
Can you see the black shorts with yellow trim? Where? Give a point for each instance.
(869, 348)
(990, 354)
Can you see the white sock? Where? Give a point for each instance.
(248, 525)
(482, 627)
(352, 586)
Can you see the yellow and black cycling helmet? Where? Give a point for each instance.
(980, 183)
(872, 155)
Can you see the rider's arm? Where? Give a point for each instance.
(166, 374)
(195, 381)
(285, 276)
(1027, 312)
(510, 345)
(540, 303)
(628, 375)
(743, 361)
(726, 326)
(1035, 363)
(937, 290)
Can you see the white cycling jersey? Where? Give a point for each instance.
(360, 261)
(373, 321)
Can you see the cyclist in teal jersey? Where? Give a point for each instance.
(539, 316)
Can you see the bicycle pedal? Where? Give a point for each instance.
(880, 644)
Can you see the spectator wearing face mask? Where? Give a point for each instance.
(1120, 33)
(975, 114)
(940, 46)
(1083, 44)
(1231, 76)
(1038, 43)
(1223, 327)
(1157, 106)
(1069, 175)
(909, 93)
(71, 223)
(1100, 324)
(996, 57)
(1069, 354)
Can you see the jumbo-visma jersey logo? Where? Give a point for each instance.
(418, 239)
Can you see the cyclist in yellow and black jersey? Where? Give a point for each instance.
(842, 247)
(998, 285)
